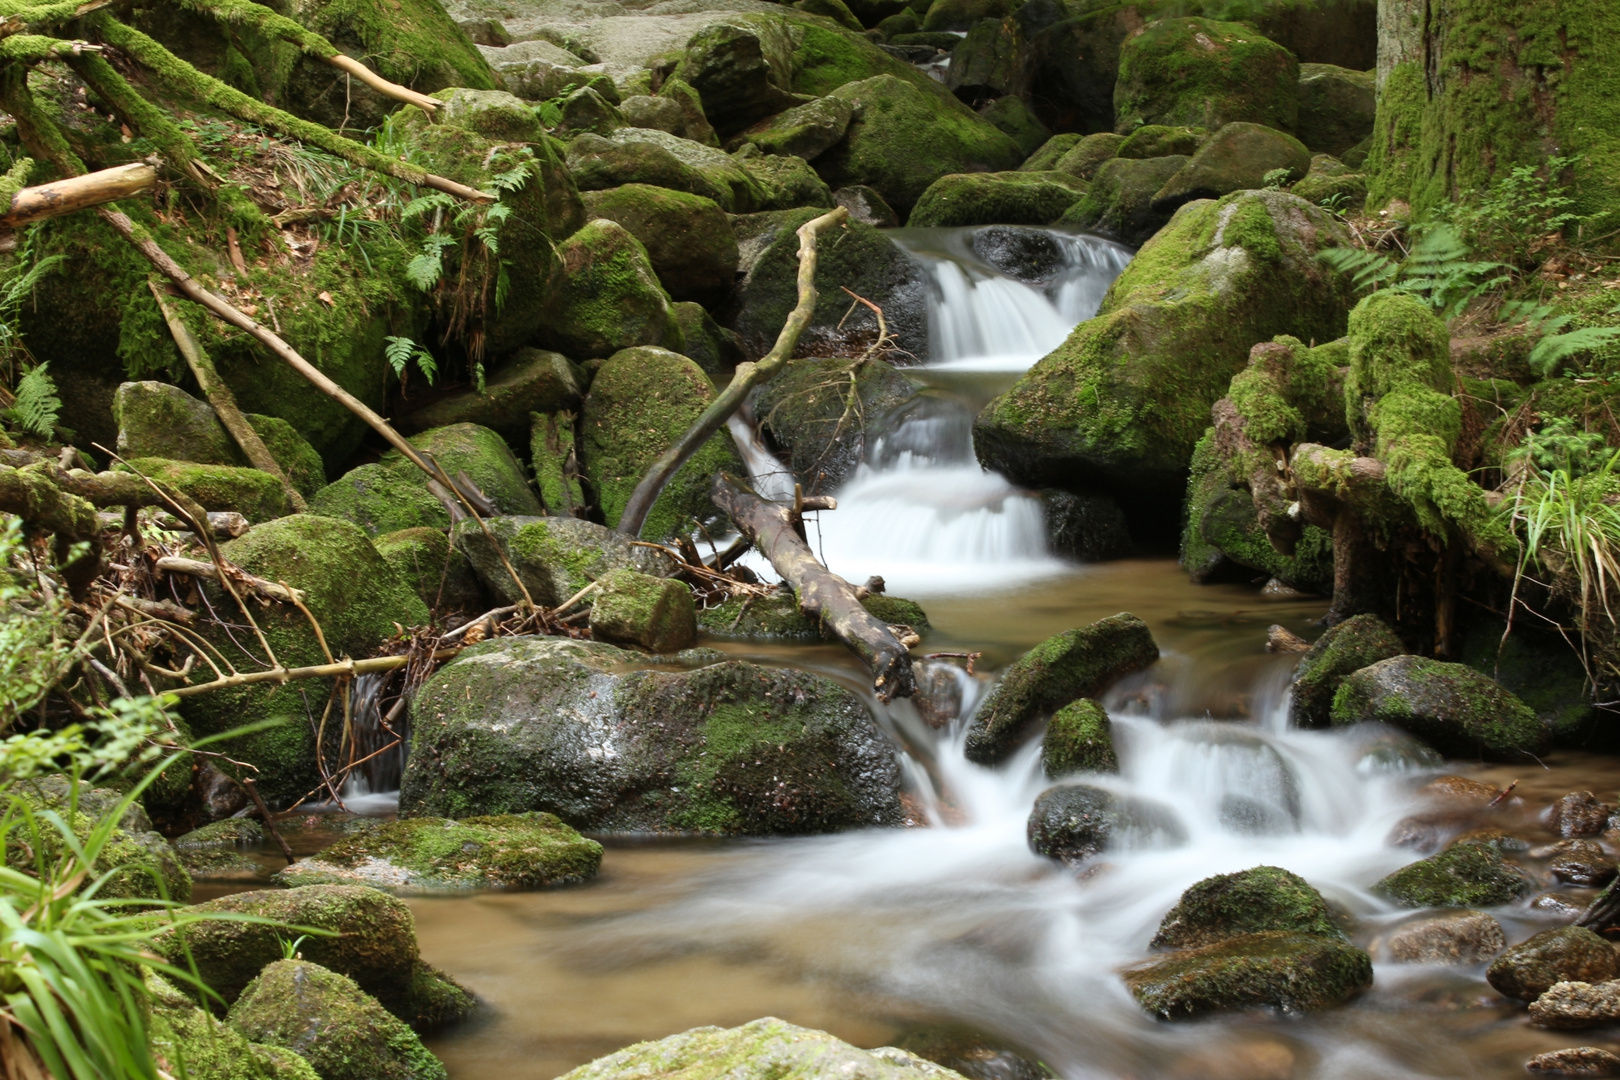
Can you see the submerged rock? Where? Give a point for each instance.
(1580, 862)
(1460, 937)
(1074, 822)
(1251, 901)
(1294, 973)
(1577, 1004)
(517, 851)
(1467, 874)
(1074, 664)
(1563, 954)
(1341, 651)
(570, 728)
(1079, 738)
(1457, 710)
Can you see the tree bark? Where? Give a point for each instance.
(77, 193)
(771, 528)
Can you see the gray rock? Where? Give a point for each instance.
(1238, 157)
(1072, 823)
(1119, 204)
(1089, 528)
(866, 206)
(1462, 937)
(587, 110)
(658, 113)
(554, 556)
(1336, 107)
(529, 381)
(803, 131)
(1340, 652)
(1577, 1005)
(743, 70)
(1565, 954)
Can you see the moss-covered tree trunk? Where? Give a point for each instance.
(1469, 89)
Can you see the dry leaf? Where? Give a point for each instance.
(326, 298)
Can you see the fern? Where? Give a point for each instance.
(36, 408)
(1439, 270)
(1368, 270)
(1557, 344)
(401, 351)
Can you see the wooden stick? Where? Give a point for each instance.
(224, 402)
(269, 822)
(77, 193)
(175, 564)
(350, 66)
(319, 671)
(822, 594)
(747, 376)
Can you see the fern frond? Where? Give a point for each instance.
(36, 409)
(1554, 349)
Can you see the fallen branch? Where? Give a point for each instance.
(60, 197)
(175, 564)
(747, 376)
(319, 671)
(822, 594)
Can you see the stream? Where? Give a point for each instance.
(877, 935)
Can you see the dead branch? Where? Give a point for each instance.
(822, 594)
(175, 564)
(280, 674)
(33, 204)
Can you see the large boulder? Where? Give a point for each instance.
(803, 131)
(1468, 874)
(135, 863)
(985, 62)
(1010, 115)
(509, 851)
(642, 401)
(188, 1041)
(1457, 710)
(561, 726)
(1204, 73)
(1276, 969)
(1125, 399)
(1086, 156)
(609, 297)
(785, 182)
(649, 156)
(902, 138)
(1050, 152)
(255, 495)
(1337, 107)
(555, 557)
(1074, 664)
(434, 568)
(742, 70)
(688, 239)
(392, 494)
(1562, 954)
(1119, 202)
(529, 381)
(1248, 902)
(1007, 198)
(1341, 651)
(805, 413)
(1162, 140)
(1237, 157)
(1071, 823)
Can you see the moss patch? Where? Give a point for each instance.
(1204, 73)
(1340, 652)
(1008, 198)
(1079, 738)
(255, 495)
(1248, 902)
(1291, 972)
(1467, 874)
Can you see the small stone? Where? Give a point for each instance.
(1578, 814)
(1464, 876)
(1463, 937)
(631, 608)
(1459, 790)
(1558, 905)
(1281, 639)
(1581, 862)
(1577, 1005)
(1564, 954)
(1072, 823)
(1574, 1061)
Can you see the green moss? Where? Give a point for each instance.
(1050, 153)
(188, 1042)
(1454, 708)
(1079, 739)
(556, 470)
(139, 864)
(1343, 650)
(610, 297)
(654, 613)
(826, 58)
(433, 568)
(229, 833)
(786, 182)
(1248, 902)
(1467, 874)
(1162, 140)
(1008, 198)
(688, 239)
(1087, 155)
(1291, 972)
(256, 495)
(1203, 73)
(897, 611)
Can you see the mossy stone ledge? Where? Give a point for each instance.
(1289, 972)
(1459, 711)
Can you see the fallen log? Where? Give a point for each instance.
(72, 193)
(773, 528)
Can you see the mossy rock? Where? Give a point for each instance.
(255, 495)
(804, 130)
(1457, 710)
(657, 158)
(586, 110)
(610, 297)
(688, 239)
(1124, 401)
(1050, 152)
(358, 600)
(187, 1041)
(1248, 902)
(528, 381)
(555, 557)
(743, 70)
(1337, 107)
(229, 833)
(1073, 823)
(1546, 674)
(510, 851)
(712, 347)
(1007, 198)
(836, 10)
(1343, 650)
(1468, 874)
(984, 64)
(494, 114)
(1079, 738)
(1344, 191)
(329, 1021)
(777, 617)
(656, 614)
(641, 401)
(1563, 954)
(786, 182)
(1087, 155)
(1162, 140)
(802, 413)
(433, 568)
(1074, 664)
(392, 494)
(963, 14)
(139, 863)
(1203, 73)
(1018, 123)
(515, 725)
(1118, 203)
(1293, 973)
(1239, 156)
(902, 138)
(826, 58)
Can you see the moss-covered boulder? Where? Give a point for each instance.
(805, 413)
(371, 938)
(494, 114)
(902, 138)
(586, 110)
(1162, 140)
(392, 493)
(1017, 122)
(1049, 153)
(1085, 157)
(1237, 157)
(1341, 651)
(433, 568)
(1072, 823)
(866, 207)
(1293, 973)
(688, 239)
(743, 69)
(1087, 528)
(731, 185)
(1457, 710)
(598, 163)
(767, 1049)
(326, 1019)
(714, 348)
(1119, 202)
(214, 851)
(187, 1041)
(555, 557)
(859, 257)
(1079, 738)
(528, 381)
(1539, 666)
(507, 851)
(610, 297)
(1467, 874)
(358, 600)
(1074, 664)
(656, 614)
(1563, 954)
(1225, 906)
(229, 833)
(984, 63)
(785, 182)
(1204, 73)
(523, 724)
(641, 402)
(1125, 399)
(804, 130)
(139, 863)
(255, 495)
(776, 617)
(1007, 198)
(1337, 107)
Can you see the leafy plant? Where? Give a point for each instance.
(1337, 204)
(1518, 212)
(1276, 179)
(1557, 344)
(36, 650)
(401, 351)
(35, 408)
(1571, 528)
(1439, 270)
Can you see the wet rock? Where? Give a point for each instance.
(970, 1054)
(439, 573)
(1563, 954)
(656, 614)
(786, 182)
(1581, 862)
(1248, 902)
(1238, 157)
(1461, 937)
(1460, 791)
(1254, 817)
(776, 617)
(1078, 739)
(326, 1019)
(1119, 203)
(1033, 256)
(1575, 1061)
(530, 380)
(805, 414)
(938, 699)
(1251, 1059)
(1576, 1004)
(1074, 822)
(1337, 107)
(1074, 664)
(1428, 832)
(1558, 906)
(1579, 814)
(866, 206)
(804, 131)
(507, 851)
(571, 728)
(232, 832)
(1342, 650)
(1293, 973)
(688, 239)
(1086, 527)
(1004, 198)
(1452, 707)
(1500, 839)
(1050, 152)
(555, 556)
(1464, 875)
(767, 1049)
(1203, 73)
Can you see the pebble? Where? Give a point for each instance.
(1575, 1061)
(1460, 790)
(1577, 1005)
(1463, 937)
